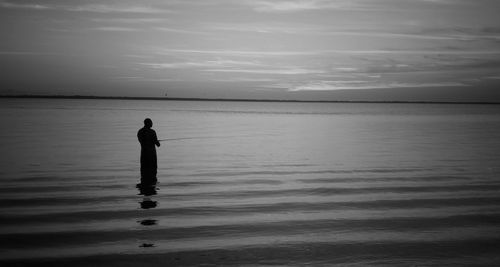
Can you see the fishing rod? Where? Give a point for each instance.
(187, 138)
(184, 138)
(206, 137)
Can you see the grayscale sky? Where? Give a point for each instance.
(285, 49)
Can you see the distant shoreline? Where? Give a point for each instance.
(238, 100)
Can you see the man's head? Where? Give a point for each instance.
(148, 123)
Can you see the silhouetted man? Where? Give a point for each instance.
(147, 138)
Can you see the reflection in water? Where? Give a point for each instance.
(147, 203)
(148, 222)
(147, 190)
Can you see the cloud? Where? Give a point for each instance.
(346, 69)
(100, 8)
(317, 30)
(461, 34)
(126, 77)
(96, 8)
(255, 53)
(243, 53)
(298, 5)
(201, 64)
(129, 20)
(343, 85)
(289, 6)
(288, 71)
(114, 29)
(285, 6)
(441, 2)
(175, 30)
(244, 79)
(263, 28)
(436, 34)
(24, 6)
(143, 79)
(26, 53)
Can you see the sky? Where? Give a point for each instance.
(260, 49)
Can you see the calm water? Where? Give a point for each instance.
(251, 183)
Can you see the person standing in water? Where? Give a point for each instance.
(148, 140)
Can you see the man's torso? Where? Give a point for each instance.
(147, 138)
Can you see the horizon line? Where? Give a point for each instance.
(90, 97)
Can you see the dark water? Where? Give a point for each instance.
(250, 184)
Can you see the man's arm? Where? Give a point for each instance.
(157, 143)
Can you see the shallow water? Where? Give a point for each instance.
(248, 183)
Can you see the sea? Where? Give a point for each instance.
(250, 184)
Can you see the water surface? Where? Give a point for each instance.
(250, 183)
